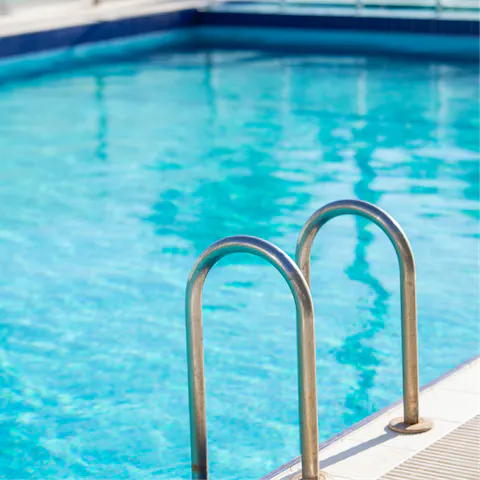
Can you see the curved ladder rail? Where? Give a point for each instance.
(411, 422)
(305, 349)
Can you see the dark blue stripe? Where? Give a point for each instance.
(372, 24)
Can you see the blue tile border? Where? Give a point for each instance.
(91, 33)
(331, 22)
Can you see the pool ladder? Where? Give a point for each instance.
(298, 279)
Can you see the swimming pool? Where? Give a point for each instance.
(115, 176)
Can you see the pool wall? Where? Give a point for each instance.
(310, 40)
(448, 39)
(62, 58)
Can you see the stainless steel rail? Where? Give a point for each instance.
(305, 349)
(411, 422)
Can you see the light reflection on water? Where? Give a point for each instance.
(116, 176)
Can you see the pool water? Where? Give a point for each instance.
(116, 176)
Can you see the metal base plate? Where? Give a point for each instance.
(298, 476)
(399, 426)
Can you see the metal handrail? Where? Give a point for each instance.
(411, 422)
(305, 349)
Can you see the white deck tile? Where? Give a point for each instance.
(372, 450)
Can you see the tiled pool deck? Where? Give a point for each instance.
(371, 450)
(81, 14)
(456, 455)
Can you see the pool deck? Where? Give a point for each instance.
(371, 451)
(75, 14)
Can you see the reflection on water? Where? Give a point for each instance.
(235, 193)
(357, 349)
(102, 129)
(95, 254)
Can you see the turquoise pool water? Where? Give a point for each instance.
(115, 177)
